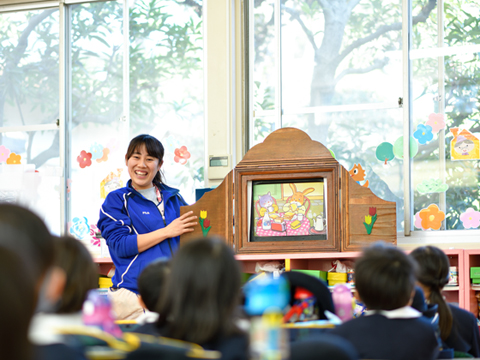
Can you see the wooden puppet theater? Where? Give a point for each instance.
(287, 195)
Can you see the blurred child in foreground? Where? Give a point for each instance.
(201, 296)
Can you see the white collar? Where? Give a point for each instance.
(44, 328)
(406, 312)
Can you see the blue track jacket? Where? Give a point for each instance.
(126, 213)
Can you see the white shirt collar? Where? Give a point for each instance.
(406, 312)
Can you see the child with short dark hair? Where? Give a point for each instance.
(390, 329)
(151, 282)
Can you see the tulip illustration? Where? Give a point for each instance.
(204, 222)
(370, 219)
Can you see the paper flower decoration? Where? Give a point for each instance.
(80, 228)
(97, 151)
(14, 159)
(432, 217)
(431, 186)
(84, 159)
(94, 240)
(204, 222)
(171, 143)
(470, 219)
(423, 134)
(370, 219)
(113, 145)
(418, 221)
(181, 155)
(105, 151)
(436, 121)
(4, 153)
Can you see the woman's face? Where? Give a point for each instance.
(142, 168)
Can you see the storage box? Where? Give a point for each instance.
(474, 272)
(336, 278)
(104, 282)
(316, 273)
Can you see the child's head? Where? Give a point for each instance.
(152, 147)
(18, 304)
(202, 292)
(433, 275)
(151, 282)
(384, 277)
(81, 273)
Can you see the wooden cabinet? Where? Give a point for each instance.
(472, 259)
(462, 294)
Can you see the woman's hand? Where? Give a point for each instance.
(179, 226)
(182, 224)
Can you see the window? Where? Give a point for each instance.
(335, 70)
(29, 138)
(128, 71)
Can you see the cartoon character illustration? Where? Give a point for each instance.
(358, 174)
(463, 145)
(296, 204)
(267, 203)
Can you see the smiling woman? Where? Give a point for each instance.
(141, 222)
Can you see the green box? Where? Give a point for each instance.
(475, 280)
(475, 272)
(316, 273)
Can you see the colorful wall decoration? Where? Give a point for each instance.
(464, 145)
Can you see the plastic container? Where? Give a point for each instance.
(265, 299)
(343, 302)
(97, 311)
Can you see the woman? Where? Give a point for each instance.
(201, 298)
(458, 327)
(141, 222)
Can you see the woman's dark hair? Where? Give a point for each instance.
(153, 147)
(202, 292)
(80, 270)
(384, 277)
(151, 282)
(434, 271)
(17, 306)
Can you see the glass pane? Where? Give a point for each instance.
(29, 67)
(454, 177)
(462, 21)
(264, 75)
(374, 147)
(424, 24)
(98, 133)
(263, 126)
(30, 173)
(166, 86)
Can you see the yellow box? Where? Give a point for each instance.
(342, 277)
(104, 282)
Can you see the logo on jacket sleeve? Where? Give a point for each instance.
(145, 213)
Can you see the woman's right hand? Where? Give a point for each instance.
(182, 224)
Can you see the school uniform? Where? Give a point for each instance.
(464, 336)
(396, 335)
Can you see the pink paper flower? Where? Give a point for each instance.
(4, 153)
(84, 159)
(418, 221)
(181, 155)
(436, 121)
(470, 219)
